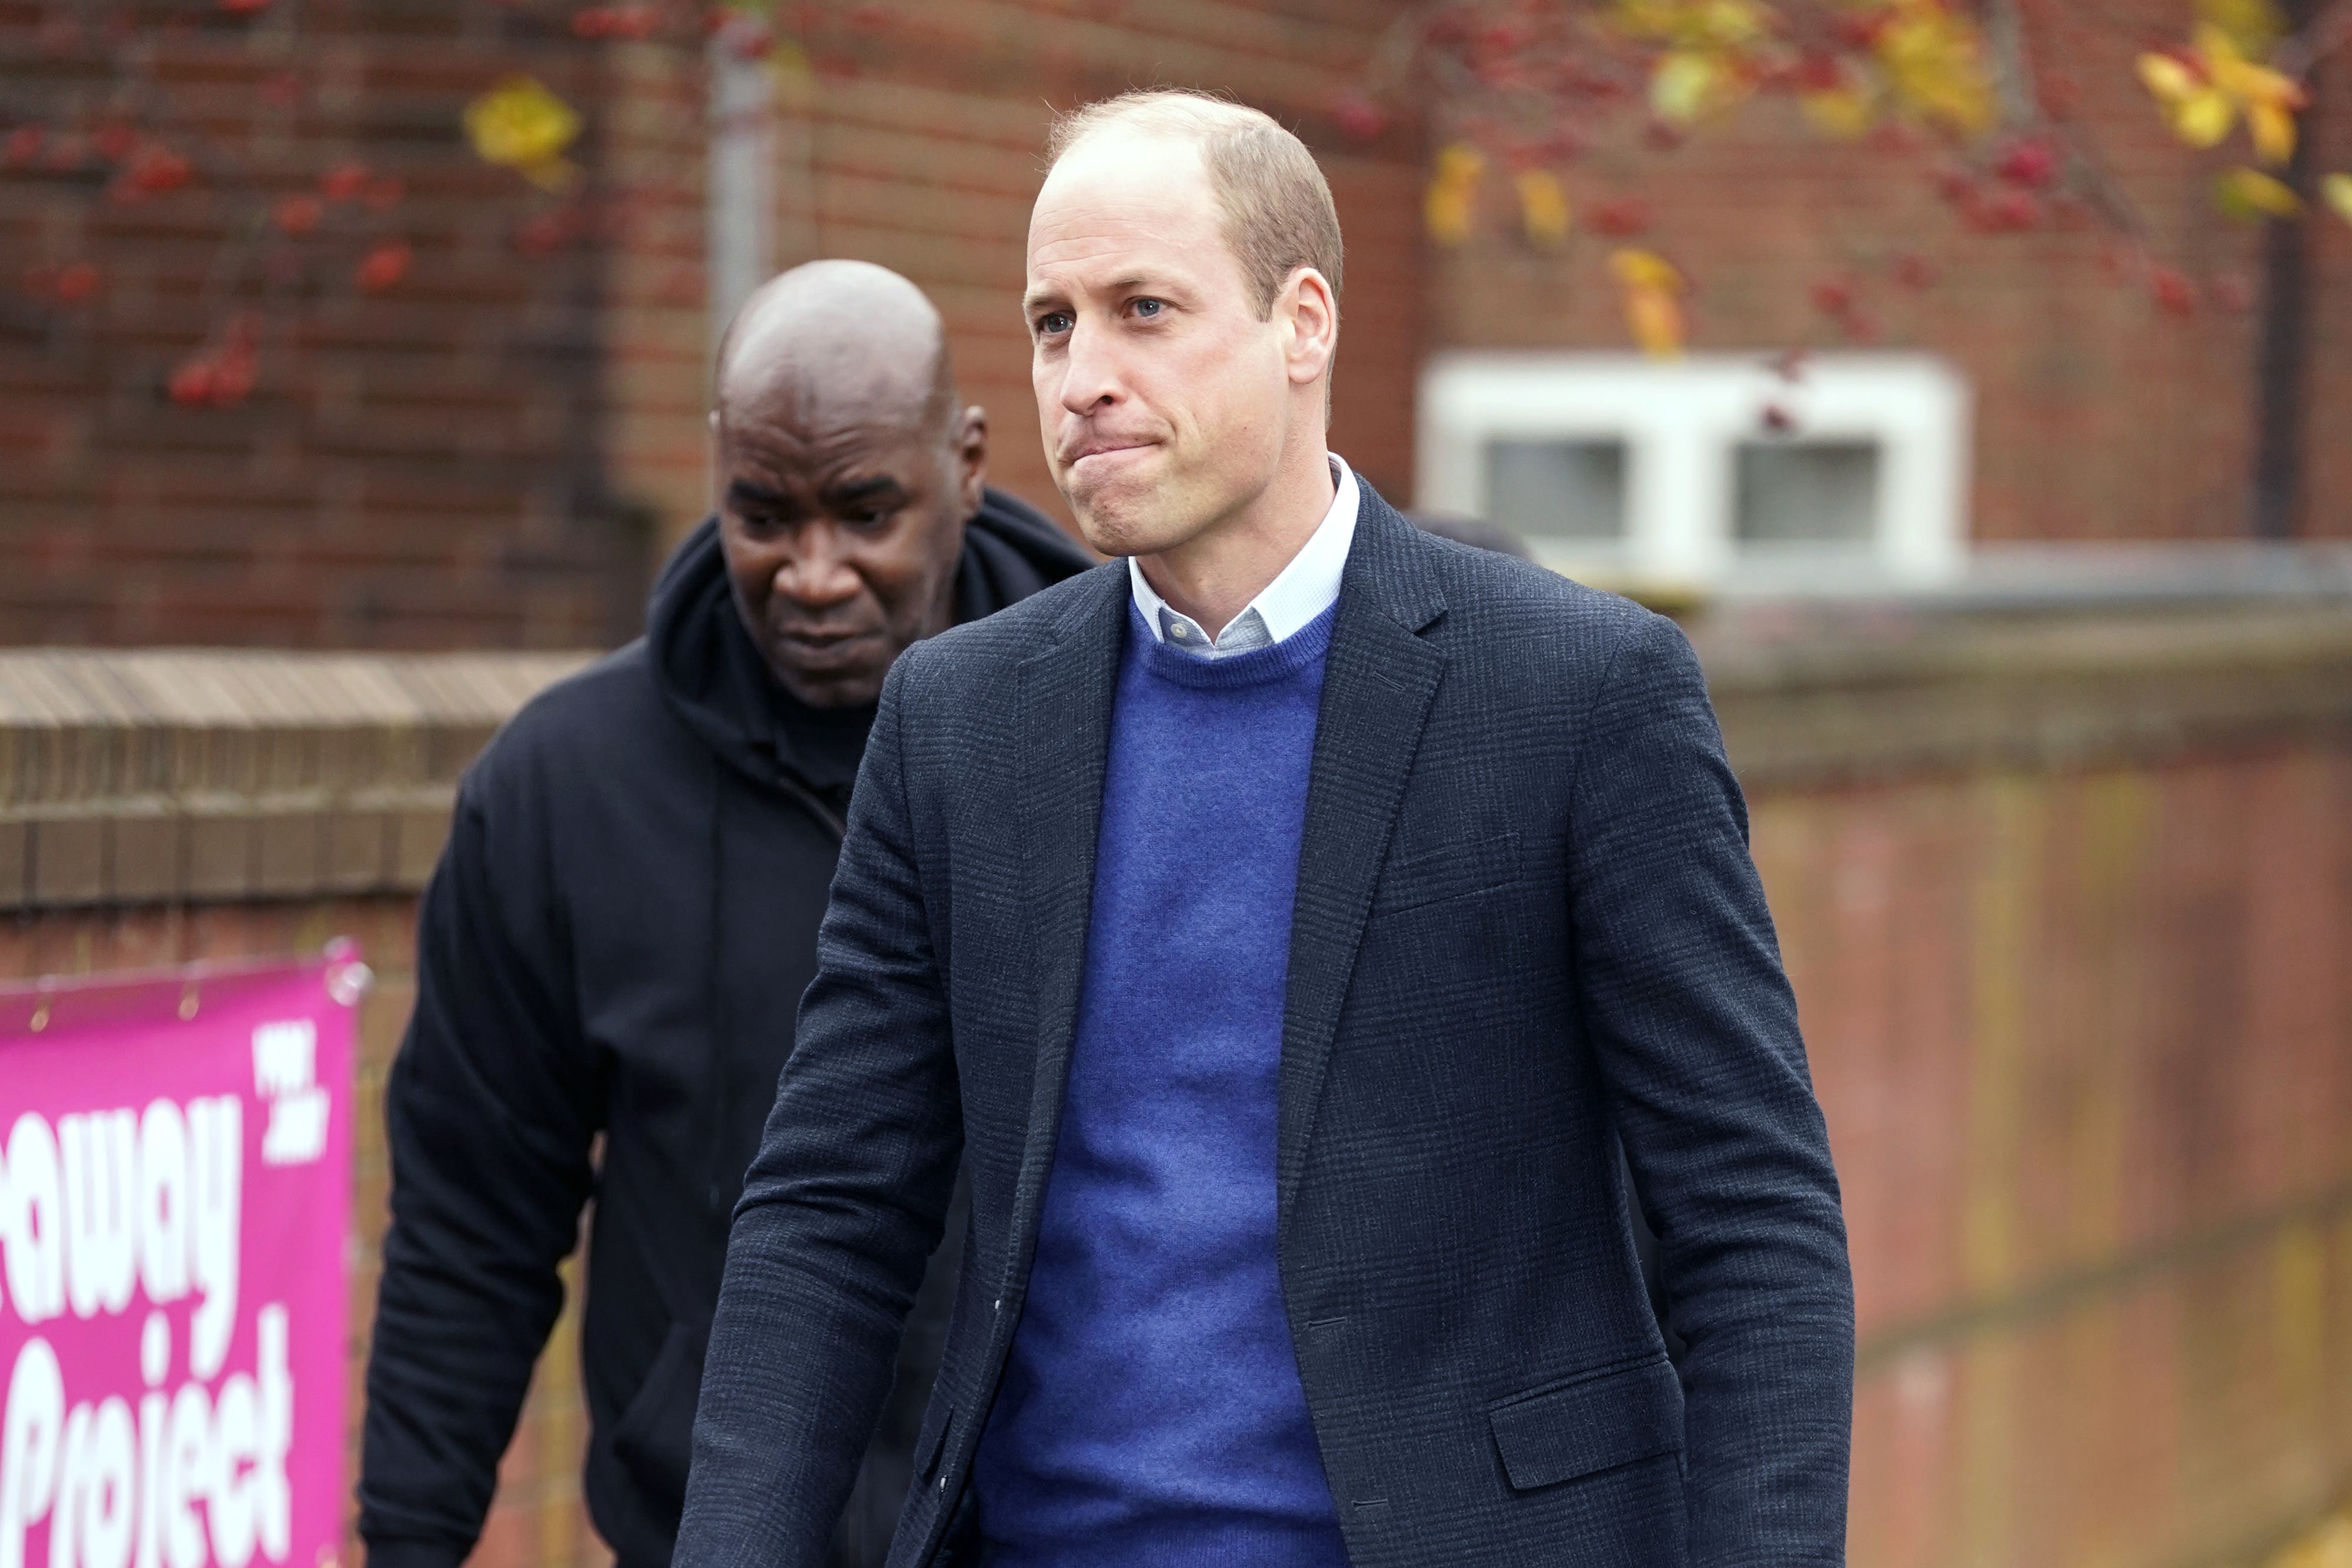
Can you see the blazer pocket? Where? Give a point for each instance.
(1589, 1424)
(1450, 870)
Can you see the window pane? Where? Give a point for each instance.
(1808, 492)
(1556, 489)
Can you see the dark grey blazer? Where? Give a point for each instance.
(1525, 916)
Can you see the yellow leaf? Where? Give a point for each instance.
(2260, 84)
(2251, 24)
(2249, 194)
(2337, 190)
(2204, 119)
(2168, 79)
(519, 125)
(2221, 50)
(1682, 86)
(1692, 23)
(1448, 211)
(1655, 319)
(1844, 112)
(1727, 24)
(1935, 63)
(1543, 206)
(1643, 18)
(2202, 107)
(1460, 160)
(1450, 207)
(1646, 269)
(2272, 129)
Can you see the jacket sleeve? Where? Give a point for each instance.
(843, 1204)
(492, 1108)
(1696, 1030)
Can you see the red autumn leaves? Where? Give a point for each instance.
(222, 373)
(68, 284)
(1533, 87)
(2023, 193)
(625, 22)
(142, 166)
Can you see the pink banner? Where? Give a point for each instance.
(175, 1209)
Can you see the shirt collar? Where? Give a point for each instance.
(1303, 589)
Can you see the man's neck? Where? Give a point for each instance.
(1212, 577)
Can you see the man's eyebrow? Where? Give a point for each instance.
(1037, 299)
(743, 491)
(863, 489)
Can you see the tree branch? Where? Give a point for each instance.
(2326, 33)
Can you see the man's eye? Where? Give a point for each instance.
(1150, 307)
(1053, 323)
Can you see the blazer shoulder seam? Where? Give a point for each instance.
(1627, 634)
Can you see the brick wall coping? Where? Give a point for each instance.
(164, 775)
(1826, 704)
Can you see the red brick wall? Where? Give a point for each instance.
(2084, 1042)
(2098, 416)
(489, 454)
(423, 468)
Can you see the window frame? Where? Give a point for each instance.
(1682, 422)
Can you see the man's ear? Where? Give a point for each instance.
(1311, 314)
(972, 458)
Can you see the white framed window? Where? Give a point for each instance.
(1713, 469)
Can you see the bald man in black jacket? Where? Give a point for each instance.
(626, 916)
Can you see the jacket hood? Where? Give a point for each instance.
(711, 675)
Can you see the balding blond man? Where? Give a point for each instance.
(1365, 890)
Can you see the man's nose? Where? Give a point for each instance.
(818, 575)
(1090, 378)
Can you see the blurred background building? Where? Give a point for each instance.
(2022, 581)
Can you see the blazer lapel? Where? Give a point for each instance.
(1377, 681)
(1065, 698)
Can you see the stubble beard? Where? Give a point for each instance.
(1136, 519)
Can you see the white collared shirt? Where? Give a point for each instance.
(1303, 589)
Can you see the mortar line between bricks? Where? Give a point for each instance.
(2061, 1292)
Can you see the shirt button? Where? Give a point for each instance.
(943, 1483)
(1000, 1304)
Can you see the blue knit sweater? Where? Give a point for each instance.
(1151, 1414)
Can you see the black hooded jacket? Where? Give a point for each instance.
(609, 957)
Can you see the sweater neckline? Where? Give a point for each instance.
(1260, 666)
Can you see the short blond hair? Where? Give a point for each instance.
(1279, 214)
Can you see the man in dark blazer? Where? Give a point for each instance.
(1285, 925)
